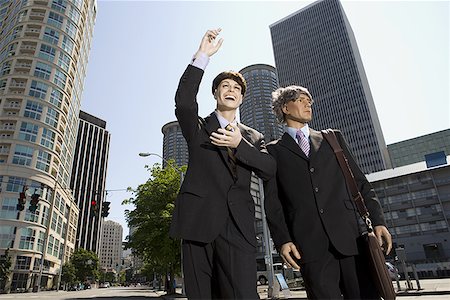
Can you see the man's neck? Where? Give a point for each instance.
(229, 115)
(295, 124)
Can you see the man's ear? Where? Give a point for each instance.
(215, 94)
(285, 109)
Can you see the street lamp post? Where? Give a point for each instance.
(146, 154)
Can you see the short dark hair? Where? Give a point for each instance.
(236, 76)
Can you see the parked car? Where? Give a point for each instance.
(104, 285)
(392, 270)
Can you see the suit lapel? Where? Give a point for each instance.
(288, 142)
(316, 141)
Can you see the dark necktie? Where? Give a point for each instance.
(231, 156)
(303, 142)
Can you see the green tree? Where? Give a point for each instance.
(154, 203)
(86, 264)
(68, 275)
(5, 269)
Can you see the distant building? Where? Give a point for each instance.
(174, 144)
(415, 149)
(256, 108)
(111, 245)
(416, 204)
(88, 178)
(315, 47)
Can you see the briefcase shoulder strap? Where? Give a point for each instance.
(331, 138)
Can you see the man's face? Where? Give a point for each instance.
(228, 95)
(300, 109)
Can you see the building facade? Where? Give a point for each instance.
(88, 179)
(256, 108)
(315, 47)
(416, 204)
(44, 47)
(174, 144)
(416, 149)
(111, 246)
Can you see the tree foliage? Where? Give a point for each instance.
(154, 204)
(68, 274)
(5, 269)
(86, 264)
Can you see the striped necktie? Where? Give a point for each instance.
(231, 156)
(303, 142)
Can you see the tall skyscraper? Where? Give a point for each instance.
(174, 144)
(256, 108)
(256, 111)
(44, 47)
(111, 246)
(315, 47)
(88, 179)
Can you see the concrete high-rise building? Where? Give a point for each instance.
(256, 108)
(44, 47)
(256, 112)
(174, 144)
(417, 149)
(416, 204)
(111, 245)
(315, 47)
(89, 177)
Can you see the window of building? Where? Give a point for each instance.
(64, 61)
(33, 110)
(47, 52)
(55, 20)
(48, 138)
(7, 236)
(71, 29)
(67, 45)
(15, 184)
(42, 71)
(52, 117)
(56, 97)
(43, 161)
(59, 5)
(27, 239)
(28, 132)
(51, 36)
(38, 89)
(9, 209)
(60, 79)
(22, 155)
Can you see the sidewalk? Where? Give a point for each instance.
(428, 287)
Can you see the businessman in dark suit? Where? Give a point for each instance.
(214, 212)
(311, 215)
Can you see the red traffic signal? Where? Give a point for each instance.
(94, 203)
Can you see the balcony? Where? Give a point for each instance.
(27, 49)
(41, 2)
(37, 15)
(8, 127)
(17, 87)
(32, 32)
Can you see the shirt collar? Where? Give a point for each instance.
(224, 122)
(293, 131)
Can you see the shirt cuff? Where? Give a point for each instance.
(201, 61)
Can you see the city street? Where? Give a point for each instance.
(433, 289)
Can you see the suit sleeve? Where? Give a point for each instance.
(364, 186)
(275, 214)
(256, 157)
(186, 107)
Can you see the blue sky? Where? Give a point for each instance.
(141, 48)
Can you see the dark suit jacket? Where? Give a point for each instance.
(308, 202)
(209, 192)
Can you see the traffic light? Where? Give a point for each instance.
(34, 202)
(105, 209)
(94, 208)
(21, 201)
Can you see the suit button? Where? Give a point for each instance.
(311, 170)
(321, 210)
(316, 189)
